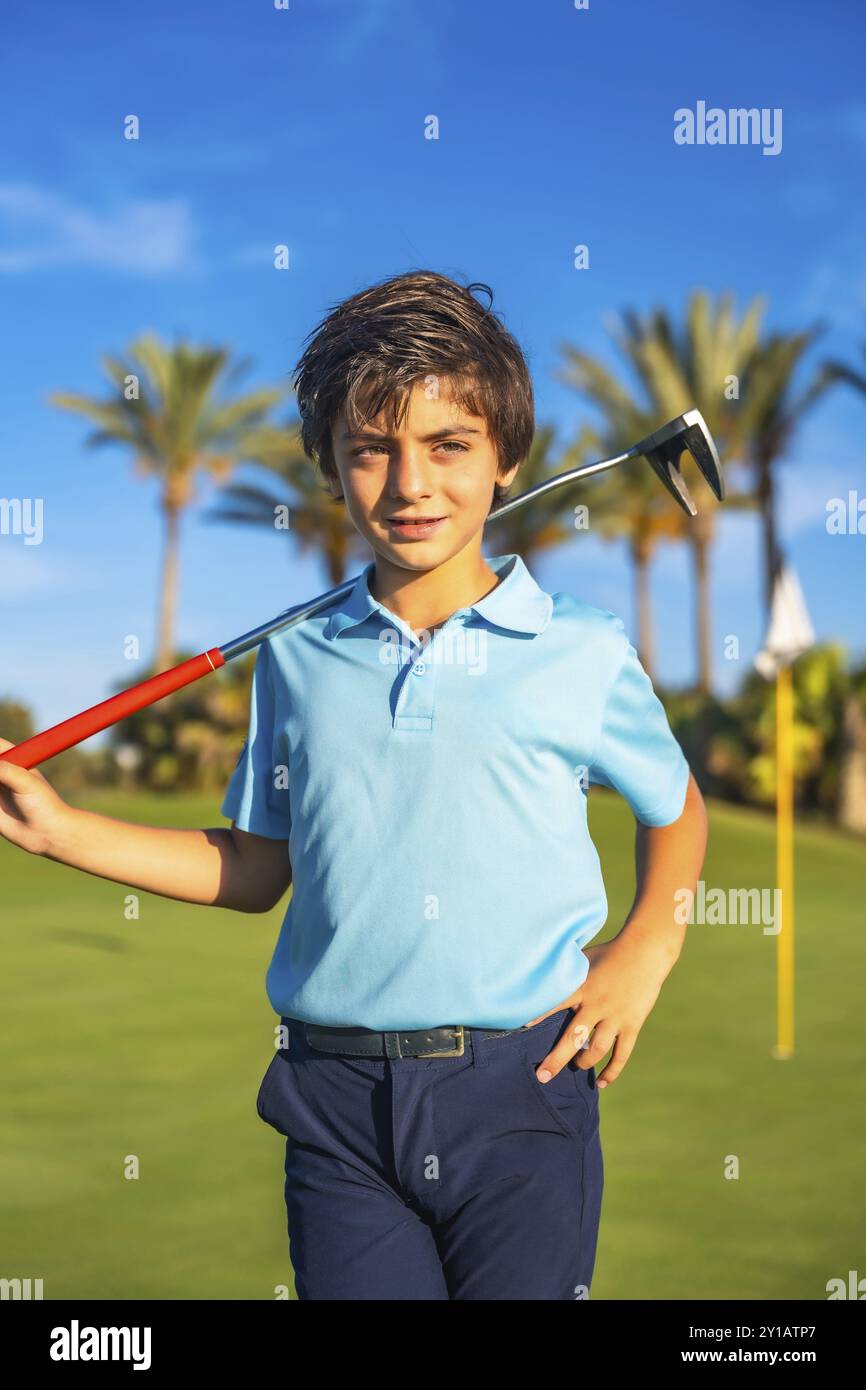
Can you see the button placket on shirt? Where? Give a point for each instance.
(416, 699)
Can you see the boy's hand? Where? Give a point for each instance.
(626, 974)
(624, 981)
(30, 809)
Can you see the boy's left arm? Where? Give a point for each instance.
(627, 973)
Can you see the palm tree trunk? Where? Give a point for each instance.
(852, 780)
(335, 559)
(641, 556)
(767, 504)
(168, 587)
(702, 613)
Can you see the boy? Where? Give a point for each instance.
(418, 761)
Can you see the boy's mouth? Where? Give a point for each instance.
(415, 528)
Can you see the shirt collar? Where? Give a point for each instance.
(516, 604)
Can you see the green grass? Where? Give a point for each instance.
(150, 1038)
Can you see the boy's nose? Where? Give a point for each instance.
(409, 474)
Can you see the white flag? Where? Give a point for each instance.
(790, 632)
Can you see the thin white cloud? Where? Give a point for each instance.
(353, 31)
(27, 571)
(257, 253)
(40, 230)
(351, 27)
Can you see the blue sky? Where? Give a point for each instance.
(305, 127)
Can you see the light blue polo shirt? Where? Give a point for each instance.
(434, 800)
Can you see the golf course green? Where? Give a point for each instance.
(148, 1037)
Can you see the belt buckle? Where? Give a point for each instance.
(459, 1050)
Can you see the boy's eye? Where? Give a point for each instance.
(443, 444)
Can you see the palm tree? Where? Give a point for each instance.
(770, 412)
(675, 371)
(317, 518)
(174, 408)
(840, 371)
(852, 802)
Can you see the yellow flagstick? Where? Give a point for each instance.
(789, 634)
(785, 863)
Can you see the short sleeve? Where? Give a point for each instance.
(257, 797)
(637, 754)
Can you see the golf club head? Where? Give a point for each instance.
(664, 448)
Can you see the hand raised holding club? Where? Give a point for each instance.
(30, 808)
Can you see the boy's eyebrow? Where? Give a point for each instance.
(425, 438)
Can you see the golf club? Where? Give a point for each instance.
(662, 449)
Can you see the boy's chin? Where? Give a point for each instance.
(420, 555)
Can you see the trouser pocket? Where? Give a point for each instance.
(570, 1097)
(265, 1106)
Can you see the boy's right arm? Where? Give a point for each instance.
(220, 867)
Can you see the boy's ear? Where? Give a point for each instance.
(505, 476)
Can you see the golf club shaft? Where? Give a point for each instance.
(79, 727)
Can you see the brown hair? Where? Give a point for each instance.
(370, 350)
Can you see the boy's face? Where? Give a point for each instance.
(441, 466)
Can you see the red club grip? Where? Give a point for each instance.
(42, 746)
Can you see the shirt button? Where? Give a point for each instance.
(419, 668)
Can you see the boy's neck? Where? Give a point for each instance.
(426, 599)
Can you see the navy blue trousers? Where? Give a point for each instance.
(441, 1178)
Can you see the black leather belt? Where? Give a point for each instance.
(445, 1041)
